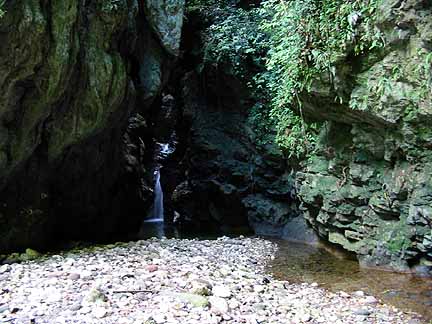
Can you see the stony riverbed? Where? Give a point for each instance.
(175, 281)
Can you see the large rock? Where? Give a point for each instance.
(68, 85)
(368, 187)
(229, 182)
(166, 19)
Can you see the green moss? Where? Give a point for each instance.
(30, 254)
(398, 244)
(111, 5)
(395, 236)
(308, 39)
(13, 258)
(16, 257)
(193, 299)
(340, 239)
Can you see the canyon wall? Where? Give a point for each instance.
(72, 72)
(368, 187)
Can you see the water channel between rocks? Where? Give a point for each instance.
(297, 263)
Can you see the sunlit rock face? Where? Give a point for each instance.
(368, 188)
(69, 78)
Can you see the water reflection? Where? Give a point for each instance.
(303, 263)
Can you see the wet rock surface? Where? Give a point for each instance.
(174, 281)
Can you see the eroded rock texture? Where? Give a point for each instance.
(69, 74)
(229, 183)
(369, 186)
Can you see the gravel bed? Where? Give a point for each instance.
(175, 281)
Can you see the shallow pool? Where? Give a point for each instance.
(297, 262)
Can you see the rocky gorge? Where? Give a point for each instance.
(96, 96)
(93, 83)
(72, 75)
(118, 114)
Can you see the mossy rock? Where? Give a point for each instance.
(12, 258)
(193, 299)
(29, 255)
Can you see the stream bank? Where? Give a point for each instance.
(297, 263)
(175, 281)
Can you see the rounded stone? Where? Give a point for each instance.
(221, 291)
(219, 305)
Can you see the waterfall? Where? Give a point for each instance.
(158, 208)
(157, 213)
(161, 152)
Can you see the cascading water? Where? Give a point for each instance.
(154, 225)
(162, 151)
(158, 205)
(165, 141)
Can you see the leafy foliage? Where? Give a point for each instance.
(111, 5)
(231, 38)
(2, 2)
(236, 42)
(306, 39)
(287, 44)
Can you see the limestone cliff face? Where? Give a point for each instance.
(71, 73)
(368, 188)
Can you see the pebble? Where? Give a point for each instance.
(362, 311)
(221, 291)
(194, 300)
(171, 281)
(259, 289)
(152, 268)
(233, 304)
(305, 318)
(74, 276)
(99, 312)
(75, 307)
(344, 294)
(370, 300)
(5, 268)
(201, 287)
(86, 274)
(218, 305)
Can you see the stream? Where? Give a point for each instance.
(302, 263)
(296, 262)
